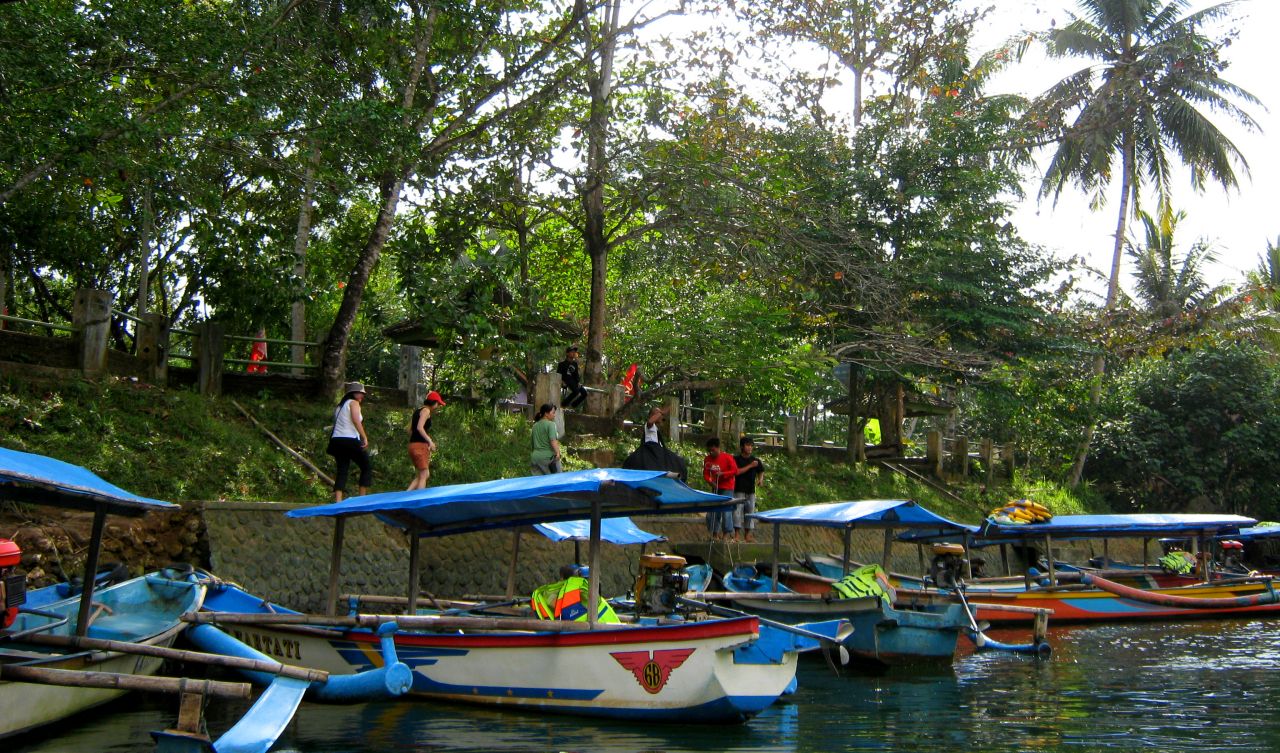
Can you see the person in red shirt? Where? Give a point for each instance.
(721, 473)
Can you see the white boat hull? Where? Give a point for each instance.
(713, 671)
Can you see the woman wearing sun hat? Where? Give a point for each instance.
(421, 445)
(348, 442)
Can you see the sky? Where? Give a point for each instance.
(1237, 223)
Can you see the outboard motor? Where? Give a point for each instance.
(13, 586)
(660, 583)
(947, 568)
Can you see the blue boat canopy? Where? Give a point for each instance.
(620, 531)
(1120, 526)
(1260, 532)
(867, 513)
(506, 503)
(36, 479)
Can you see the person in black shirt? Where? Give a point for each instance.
(750, 471)
(574, 393)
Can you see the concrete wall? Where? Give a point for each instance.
(287, 560)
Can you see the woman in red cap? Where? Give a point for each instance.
(421, 445)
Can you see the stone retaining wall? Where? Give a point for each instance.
(287, 560)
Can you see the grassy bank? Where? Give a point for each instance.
(177, 445)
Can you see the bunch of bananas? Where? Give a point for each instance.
(1019, 512)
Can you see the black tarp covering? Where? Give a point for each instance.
(651, 456)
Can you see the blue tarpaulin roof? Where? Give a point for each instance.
(37, 479)
(1120, 526)
(1256, 533)
(867, 513)
(505, 503)
(620, 531)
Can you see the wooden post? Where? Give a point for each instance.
(777, 547)
(961, 456)
(409, 377)
(210, 350)
(1048, 555)
(415, 553)
(546, 389)
(791, 435)
(593, 554)
(153, 347)
(91, 315)
(933, 452)
(1008, 455)
(738, 428)
(714, 418)
(987, 451)
(515, 556)
(617, 398)
(335, 566)
(90, 569)
(673, 420)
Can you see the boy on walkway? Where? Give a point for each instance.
(719, 470)
(750, 473)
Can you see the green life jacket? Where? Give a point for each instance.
(1179, 562)
(567, 600)
(868, 580)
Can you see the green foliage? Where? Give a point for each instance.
(1194, 430)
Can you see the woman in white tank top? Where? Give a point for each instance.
(348, 443)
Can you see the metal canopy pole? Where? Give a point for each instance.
(848, 549)
(593, 552)
(415, 551)
(968, 556)
(90, 569)
(1106, 553)
(335, 565)
(1145, 541)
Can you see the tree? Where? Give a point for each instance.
(897, 38)
(1152, 76)
(1195, 430)
(1166, 283)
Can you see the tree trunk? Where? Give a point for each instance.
(144, 251)
(599, 82)
(333, 358)
(333, 352)
(298, 310)
(1113, 295)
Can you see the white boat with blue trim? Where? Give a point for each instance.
(715, 671)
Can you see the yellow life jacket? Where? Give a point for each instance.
(1179, 562)
(567, 600)
(868, 580)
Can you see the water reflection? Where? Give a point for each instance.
(1203, 686)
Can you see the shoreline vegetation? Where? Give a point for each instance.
(179, 446)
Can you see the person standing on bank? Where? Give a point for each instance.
(348, 443)
(544, 458)
(750, 473)
(570, 379)
(720, 471)
(421, 445)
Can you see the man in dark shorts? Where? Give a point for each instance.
(574, 393)
(750, 472)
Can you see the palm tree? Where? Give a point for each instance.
(1141, 101)
(1166, 284)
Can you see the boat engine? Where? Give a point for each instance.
(660, 583)
(947, 569)
(13, 586)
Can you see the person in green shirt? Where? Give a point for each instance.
(545, 457)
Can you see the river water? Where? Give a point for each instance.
(1196, 686)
